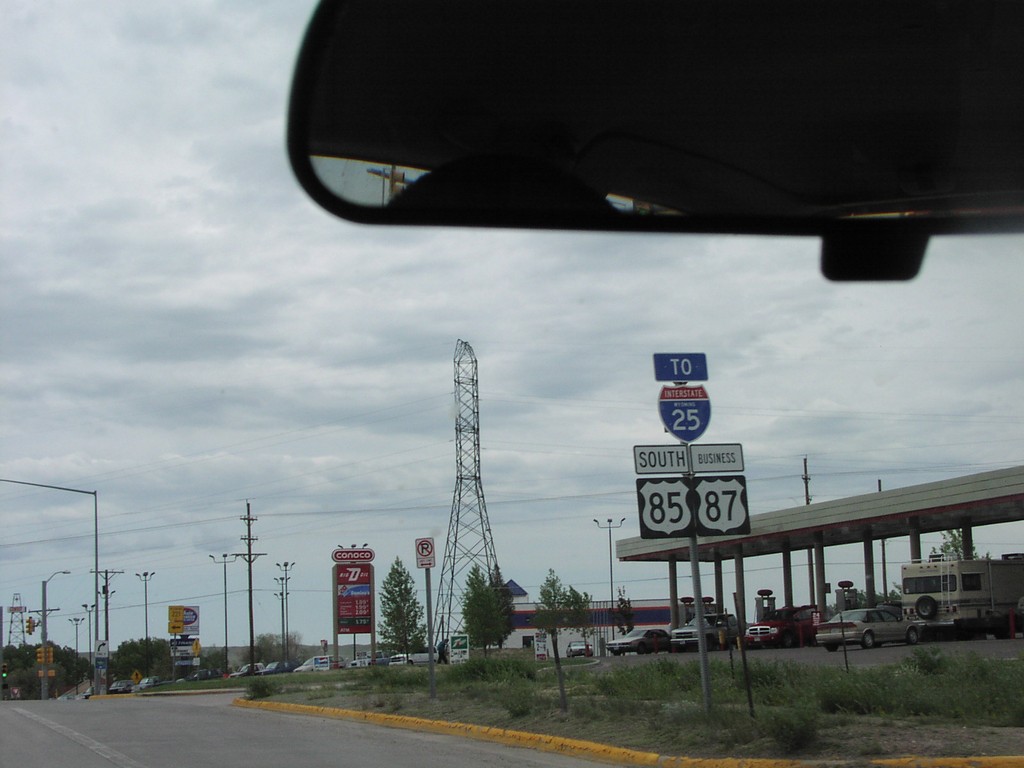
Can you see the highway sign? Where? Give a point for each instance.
(425, 553)
(175, 619)
(673, 507)
(660, 459)
(685, 411)
(354, 555)
(726, 457)
(684, 366)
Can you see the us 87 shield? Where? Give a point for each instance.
(675, 507)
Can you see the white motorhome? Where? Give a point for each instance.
(961, 598)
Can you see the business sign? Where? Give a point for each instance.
(458, 651)
(683, 366)
(674, 507)
(540, 645)
(425, 557)
(685, 411)
(725, 457)
(181, 647)
(354, 555)
(191, 620)
(353, 605)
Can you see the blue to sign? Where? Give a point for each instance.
(685, 411)
(686, 366)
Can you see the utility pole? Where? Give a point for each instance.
(106, 621)
(44, 681)
(810, 550)
(285, 567)
(250, 557)
(145, 577)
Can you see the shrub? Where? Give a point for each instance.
(926, 661)
(492, 670)
(261, 688)
(792, 728)
(519, 699)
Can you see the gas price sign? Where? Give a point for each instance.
(674, 507)
(354, 598)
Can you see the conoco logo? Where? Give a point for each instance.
(352, 555)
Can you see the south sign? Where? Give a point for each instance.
(685, 411)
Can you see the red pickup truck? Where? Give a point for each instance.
(787, 627)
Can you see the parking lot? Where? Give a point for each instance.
(855, 655)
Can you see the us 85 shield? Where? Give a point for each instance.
(677, 507)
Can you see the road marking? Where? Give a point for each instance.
(115, 757)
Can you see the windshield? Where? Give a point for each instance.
(237, 430)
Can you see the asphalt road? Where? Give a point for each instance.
(201, 731)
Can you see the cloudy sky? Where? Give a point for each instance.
(184, 332)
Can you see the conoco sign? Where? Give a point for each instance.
(356, 555)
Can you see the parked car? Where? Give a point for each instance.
(317, 664)
(381, 660)
(279, 667)
(578, 648)
(205, 674)
(687, 636)
(868, 627)
(147, 683)
(121, 686)
(243, 671)
(641, 641)
(786, 627)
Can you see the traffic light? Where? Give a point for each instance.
(30, 626)
(5, 673)
(40, 655)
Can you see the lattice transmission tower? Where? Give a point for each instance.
(469, 531)
(16, 628)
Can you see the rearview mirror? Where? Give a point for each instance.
(872, 124)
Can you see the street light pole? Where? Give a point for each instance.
(95, 548)
(609, 525)
(145, 578)
(44, 685)
(225, 562)
(285, 566)
(88, 628)
(76, 621)
(280, 596)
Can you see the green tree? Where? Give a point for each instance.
(952, 547)
(130, 657)
(506, 604)
(481, 611)
(561, 608)
(401, 627)
(624, 612)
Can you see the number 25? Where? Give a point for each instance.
(687, 419)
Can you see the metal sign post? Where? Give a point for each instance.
(685, 505)
(425, 559)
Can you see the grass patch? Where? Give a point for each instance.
(657, 705)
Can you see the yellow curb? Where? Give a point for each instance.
(995, 761)
(573, 747)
